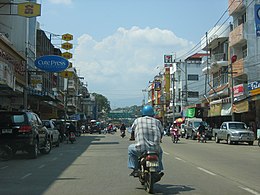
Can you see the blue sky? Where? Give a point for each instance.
(118, 44)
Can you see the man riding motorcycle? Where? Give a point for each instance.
(147, 133)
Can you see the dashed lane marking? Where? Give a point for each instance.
(166, 153)
(40, 167)
(27, 175)
(177, 158)
(249, 190)
(4, 167)
(206, 171)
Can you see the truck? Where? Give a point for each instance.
(234, 132)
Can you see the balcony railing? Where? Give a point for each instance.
(235, 6)
(237, 35)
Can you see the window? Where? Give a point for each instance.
(193, 94)
(224, 75)
(193, 77)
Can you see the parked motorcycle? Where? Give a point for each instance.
(148, 166)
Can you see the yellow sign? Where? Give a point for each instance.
(67, 74)
(67, 37)
(254, 92)
(29, 9)
(67, 55)
(66, 46)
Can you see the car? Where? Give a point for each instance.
(54, 132)
(24, 130)
(234, 132)
(191, 126)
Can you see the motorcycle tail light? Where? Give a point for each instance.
(25, 129)
(152, 158)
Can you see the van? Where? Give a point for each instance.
(191, 126)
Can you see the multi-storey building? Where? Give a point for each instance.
(244, 44)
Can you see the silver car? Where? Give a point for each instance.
(234, 132)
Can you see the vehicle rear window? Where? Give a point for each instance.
(237, 126)
(47, 124)
(11, 118)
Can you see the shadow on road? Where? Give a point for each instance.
(171, 189)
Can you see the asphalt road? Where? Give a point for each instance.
(97, 164)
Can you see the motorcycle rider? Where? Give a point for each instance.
(175, 130)
(122, 130)
(201, 130)
(147, 132)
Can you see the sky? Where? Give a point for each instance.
(118, 45)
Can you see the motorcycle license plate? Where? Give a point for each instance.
(152, 164)
(7, 131)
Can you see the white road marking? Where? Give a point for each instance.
(54, 159)
(27, 175)
(177, 158)
(4, 167)
(249, 190)
(166, 153)
(40, 167)
(206, 171)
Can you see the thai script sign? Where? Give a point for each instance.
(51, 63)
(238, 90)
(253, 85)
(29, 9)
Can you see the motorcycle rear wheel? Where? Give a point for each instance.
(6, 153)
(149, 182)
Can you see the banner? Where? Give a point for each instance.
(257, 19)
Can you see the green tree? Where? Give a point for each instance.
(102, 103)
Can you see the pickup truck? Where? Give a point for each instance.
(234, 132)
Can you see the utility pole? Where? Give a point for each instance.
(186, 84)
(233, 59)
(173, 97)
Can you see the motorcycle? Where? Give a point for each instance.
(71, 137)
(175, 136)
(122, 134)
(148, 166)
(6, 152)
(202, 138)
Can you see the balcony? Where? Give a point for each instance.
(238, 67)
(71, 86)
(236, 37)
(235, 6)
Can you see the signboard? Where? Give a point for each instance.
(257, 19)
(66, 46)
(51, 63)
(36, 82)
(67, 37)
(167, 59)
(67, 55)
(29, 9)
(238, 90)
(67, 74)
(157, 85)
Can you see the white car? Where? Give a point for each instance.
(54, 133)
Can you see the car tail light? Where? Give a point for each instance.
(25, 129)
(152, 158)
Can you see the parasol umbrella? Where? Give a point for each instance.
(179, 120)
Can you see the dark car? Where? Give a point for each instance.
(24, 130)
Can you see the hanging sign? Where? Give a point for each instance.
(29, 9)
(51, 63)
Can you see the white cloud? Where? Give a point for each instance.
(121, 65)
(66, 2)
